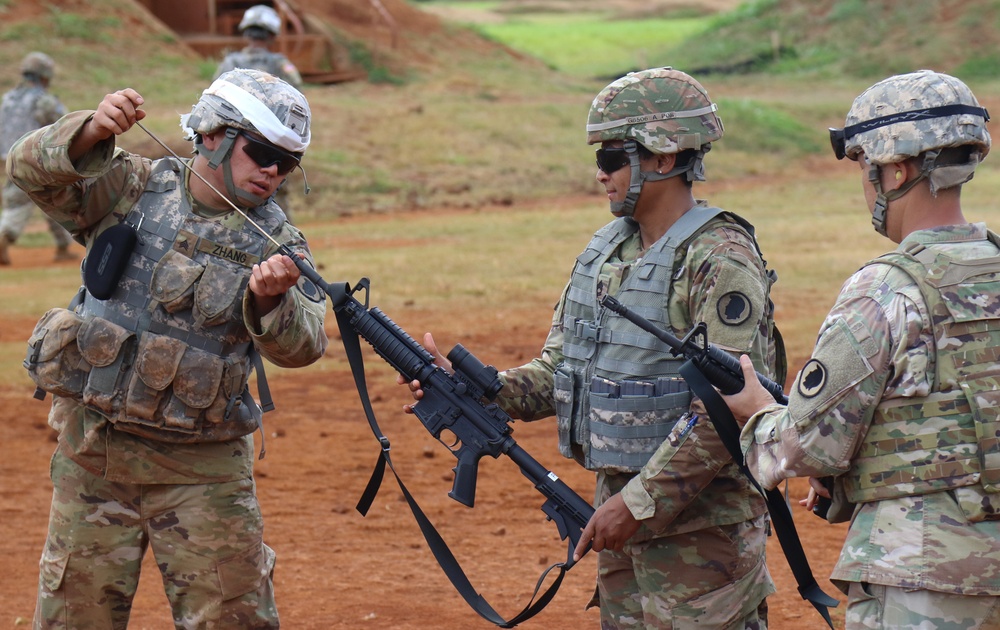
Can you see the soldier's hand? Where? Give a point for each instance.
(117, 113)
(274, 276)
(752, 398)
(609, 528)
(270, 279)
(439, 360)
(816, 490)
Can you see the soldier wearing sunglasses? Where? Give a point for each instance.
(899, 405)
(679, 529)
(149, 372)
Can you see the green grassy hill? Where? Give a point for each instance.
(867, 38)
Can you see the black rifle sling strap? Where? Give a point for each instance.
(784, 527)
(438, 547)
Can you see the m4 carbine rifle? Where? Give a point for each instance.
(457, 403)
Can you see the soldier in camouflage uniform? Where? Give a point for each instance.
(899, 401)
(151, 402)
(25, 108)
(259, 26)
(680, 531)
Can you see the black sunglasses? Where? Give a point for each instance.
(265, 155)
(610, 160)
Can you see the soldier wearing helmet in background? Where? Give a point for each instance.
(260, 25)
(680, 530)
(25, 108)
(899, 401)
(149, 371)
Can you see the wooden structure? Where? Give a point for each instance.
(210, 27)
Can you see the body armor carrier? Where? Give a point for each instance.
(618, 391)
(947, 440)
(167, 356)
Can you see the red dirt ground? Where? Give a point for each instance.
(337, 570)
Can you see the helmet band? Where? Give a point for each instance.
(647, 118)
(262, 118)
(839, 137)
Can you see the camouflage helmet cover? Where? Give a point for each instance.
(38, 64)
(911, 98)
(665, 110)
(255, 101)
(261, 16)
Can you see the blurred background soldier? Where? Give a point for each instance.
(259, 26)
(26, 108)
(900, 401)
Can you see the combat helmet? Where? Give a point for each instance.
(664, 110)
(263, 17)
(38, 64)
(253, 101)
(923, 113)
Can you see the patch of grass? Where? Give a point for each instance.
(753, 126)
(585, 43)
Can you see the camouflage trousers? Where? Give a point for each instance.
(207, 541)
(17, 209)
(878, 607)
(710, 578)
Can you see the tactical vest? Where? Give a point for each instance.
(949, 439)
(618, 392)
(167, 355)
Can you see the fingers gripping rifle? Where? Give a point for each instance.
(452, 403)
(708, 366)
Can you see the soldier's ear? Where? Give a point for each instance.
(211, 140)
(665, 162)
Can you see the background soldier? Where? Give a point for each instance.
(150, 379)
(680, 530)
(259, 26)
(900, 399)
(26, 108)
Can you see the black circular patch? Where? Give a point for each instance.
(813, 379)
(734, 308)
(310, 290)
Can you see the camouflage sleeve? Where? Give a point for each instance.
(293, 334)
(77, 195)
(527, 392)
(48, 109)
(875, 338)
(723, 283)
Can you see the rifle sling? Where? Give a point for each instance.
(784, 526)
(446, 560)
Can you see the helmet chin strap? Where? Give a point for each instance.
(880, 213)
(222, 155)
(637, 178)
